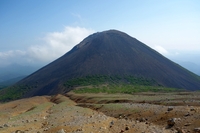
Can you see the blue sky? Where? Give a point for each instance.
(39, 31)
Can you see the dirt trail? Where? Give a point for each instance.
(59, 114)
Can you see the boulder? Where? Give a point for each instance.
(197, 130)
(61, 131)
(171, 122)
(179, 130)
(170, 108)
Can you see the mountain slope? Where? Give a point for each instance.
(109, 53)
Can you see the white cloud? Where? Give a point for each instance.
(160, 49)
(53, 45)
(11, 53)
(58, 43)
(12, 56)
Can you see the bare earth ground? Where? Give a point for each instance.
(103, 113)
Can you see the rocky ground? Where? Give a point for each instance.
(60, 114)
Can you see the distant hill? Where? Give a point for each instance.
(110, 54)
(12, 81)
(13, 71)
(193, 67)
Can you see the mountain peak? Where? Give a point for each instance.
(109, 53)
(105, 37)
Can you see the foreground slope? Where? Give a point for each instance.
(59, 114)
(108, 53)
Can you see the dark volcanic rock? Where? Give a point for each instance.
(109, 53)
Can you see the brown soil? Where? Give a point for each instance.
(151, 108)
(92, 113)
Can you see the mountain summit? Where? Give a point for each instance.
(109, 53)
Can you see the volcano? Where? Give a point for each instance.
(109, 53)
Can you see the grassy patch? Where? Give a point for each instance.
(123, 88)
(97, 80)
(115, 84)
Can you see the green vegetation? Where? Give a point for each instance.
(93, 84)
(13, 92)
(102, 79)
(128, 89)
(115, 84)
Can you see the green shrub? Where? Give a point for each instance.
(13, 92)
(123, 88)
(103, 79)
